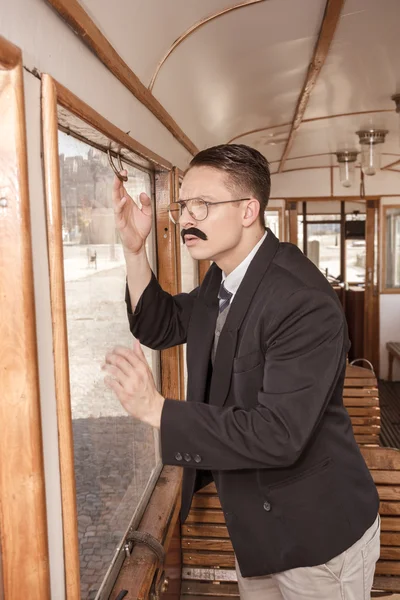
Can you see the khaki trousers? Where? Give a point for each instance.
(348, 576)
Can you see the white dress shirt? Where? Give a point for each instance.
(234, 279)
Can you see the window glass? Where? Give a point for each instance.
(116, 457)
(392, 248)
(272, 221)
(323, 243)
(356, 252)
(323, 247)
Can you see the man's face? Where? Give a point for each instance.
(223, 226)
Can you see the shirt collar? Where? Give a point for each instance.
(234, 279)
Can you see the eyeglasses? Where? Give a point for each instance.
(197, 208)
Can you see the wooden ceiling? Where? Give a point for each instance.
(293, 78)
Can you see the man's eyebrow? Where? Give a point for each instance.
(201, 197)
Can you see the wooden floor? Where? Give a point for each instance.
(389, 401)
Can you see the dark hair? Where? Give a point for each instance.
(247, 170)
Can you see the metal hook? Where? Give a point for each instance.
(114, 168)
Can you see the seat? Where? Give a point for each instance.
(361, 399)
(208, 560)
(384, 465)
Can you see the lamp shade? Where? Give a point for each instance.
(347, 166)
(370, 140)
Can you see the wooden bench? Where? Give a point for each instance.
(208, 558)
(384, 464)
(393, 349)
(361, 399)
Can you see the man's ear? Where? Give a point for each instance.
(251, 213)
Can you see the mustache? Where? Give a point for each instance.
(193, 231)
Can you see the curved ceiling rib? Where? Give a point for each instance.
(193, 28)
(83, 25)
(273, 162)
(350, 114)
(322, 167)
(329, 24)
(388, 167)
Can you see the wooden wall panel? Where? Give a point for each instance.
(372, 272)
(292, 207)
(60, 337)
(167, 276)
(23, 528)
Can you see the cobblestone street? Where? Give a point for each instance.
(114, 460)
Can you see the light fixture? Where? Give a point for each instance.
(347, 166)
(396, 98)
(370, 153)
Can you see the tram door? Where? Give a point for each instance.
(341, 238)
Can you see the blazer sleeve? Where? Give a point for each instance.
(160, 320)
(304, 357)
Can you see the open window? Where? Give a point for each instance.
(109, 461)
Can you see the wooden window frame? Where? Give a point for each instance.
(53, 95)
(384, 289)
(23, 524)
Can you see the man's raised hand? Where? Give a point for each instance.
(132, 222)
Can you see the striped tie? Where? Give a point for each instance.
(224, 297)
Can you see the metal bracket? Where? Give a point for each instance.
(114, 168)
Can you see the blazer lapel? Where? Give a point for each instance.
(226, 350)
(201, 334)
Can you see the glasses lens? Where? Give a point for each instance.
(174, 212)
(197, 208)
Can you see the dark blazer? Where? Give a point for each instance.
(270, 424)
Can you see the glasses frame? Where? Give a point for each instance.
(183, 203)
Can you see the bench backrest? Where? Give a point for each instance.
(208, 558)
(361, 399)
(384, 464)
(207, 555)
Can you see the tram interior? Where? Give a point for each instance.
(312, 84)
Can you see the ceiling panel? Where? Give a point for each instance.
(330, 135)
(270, 143)
(362, 69)
(143, 31)
(240, 72)
(245, 70)
(326, 160)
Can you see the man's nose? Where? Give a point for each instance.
(186, 220)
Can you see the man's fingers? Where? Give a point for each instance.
(115, 386)
(130, 356)
(116, 373)
(119, 360)
(137, 349)
(118, 207)
(117, 184)
(146, 204)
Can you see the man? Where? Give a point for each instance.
(266, 351)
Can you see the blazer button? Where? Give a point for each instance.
(187, 457)
(267, 506)
(178, 456)
(197, 458)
